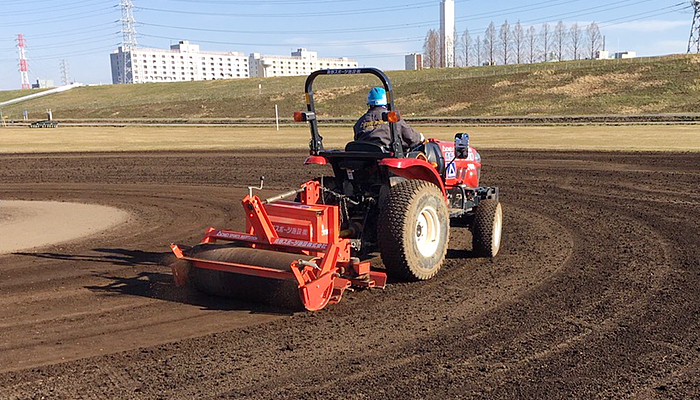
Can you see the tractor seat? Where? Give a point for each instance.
(435, 157)
(364, 146)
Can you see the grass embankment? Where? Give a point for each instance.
(6, 95)
(646, 85)
(70, 139)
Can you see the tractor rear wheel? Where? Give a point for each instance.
(486, 228)
(413, 230)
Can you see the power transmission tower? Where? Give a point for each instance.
(694, 41)
(64, 73)
(128, 39)
(128, 22)
(23, 68)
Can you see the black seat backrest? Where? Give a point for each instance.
(435, 157)
(364, 146)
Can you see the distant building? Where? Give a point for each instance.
(626, 54)
(301, 62)
(183, 62)
(43, 84)
(602, 55)
(414, 62)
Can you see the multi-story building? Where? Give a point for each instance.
(414, 61)
(301, 62)
(182, 62)
(185, 62)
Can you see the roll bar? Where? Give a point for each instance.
(316, 144)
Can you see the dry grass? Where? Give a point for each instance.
(70, 139)
(586, 87)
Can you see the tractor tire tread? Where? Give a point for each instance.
(394, 218)
(482, 228)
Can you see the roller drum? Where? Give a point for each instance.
(276, 292)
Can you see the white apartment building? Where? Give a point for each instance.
(182, 62)
(185, 62)
(301, 62)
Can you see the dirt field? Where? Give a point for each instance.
(596, 293)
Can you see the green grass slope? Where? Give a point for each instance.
(6, 95)
(652, 85)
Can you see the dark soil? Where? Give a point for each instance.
(595, 294)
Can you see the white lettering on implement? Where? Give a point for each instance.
(235, 236)
(291, 230)
(300, 243)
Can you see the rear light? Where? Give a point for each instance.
(303, 116)
(393, 116)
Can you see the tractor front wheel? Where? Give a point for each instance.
(486, 228)
(413, 230)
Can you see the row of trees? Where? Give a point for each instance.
(517, 44)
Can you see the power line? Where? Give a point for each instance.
(336, 44)
(95, 39)
(69, 32)
(94, 50)
(354, 11)
(271, 2)
(87, 14)
(582, 12)
(54, 9)
(545, 4)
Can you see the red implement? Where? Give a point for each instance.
(287, 241)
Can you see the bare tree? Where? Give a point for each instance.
(459, 57)
(467, 46)
(518, 42)
(559, 40)
(477, 50)
(545, 41)
(594, 39)
(490, 44)
(575, 40)
(505, 39)
(431, 50)
(531, 42)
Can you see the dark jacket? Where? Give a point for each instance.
(371, 128)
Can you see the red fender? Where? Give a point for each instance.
(414, 168)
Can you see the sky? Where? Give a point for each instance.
(375, 33)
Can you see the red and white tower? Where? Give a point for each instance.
(23, 69)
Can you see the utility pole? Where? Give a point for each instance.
(23, 68)
(694, 40)
(64, 73)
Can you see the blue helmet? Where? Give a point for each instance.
(376, 97)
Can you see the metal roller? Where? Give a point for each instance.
(276, 292)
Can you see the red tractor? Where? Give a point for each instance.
(398, 203)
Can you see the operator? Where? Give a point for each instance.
(371, 128)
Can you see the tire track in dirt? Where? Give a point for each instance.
(591, 296)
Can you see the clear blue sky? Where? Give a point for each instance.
(376, 33)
